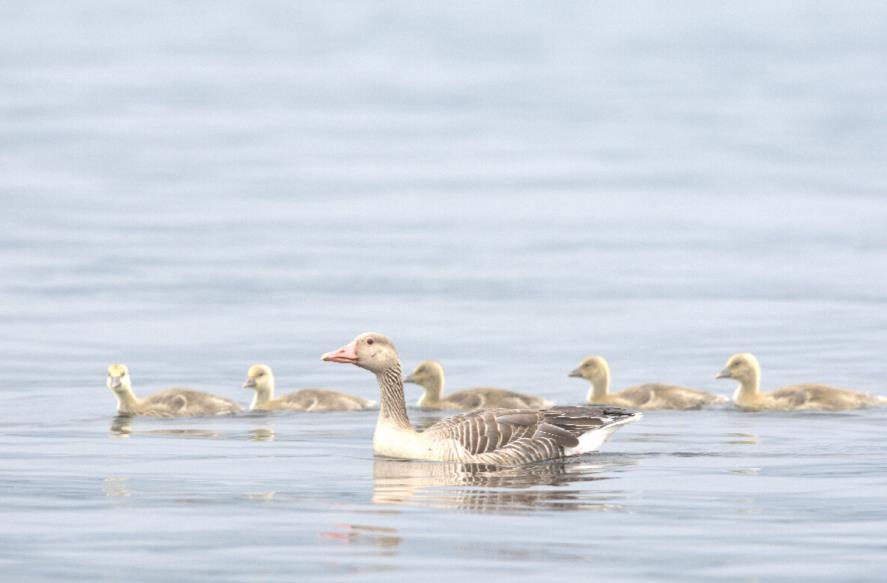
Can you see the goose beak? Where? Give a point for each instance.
(724, 374)
(250, 383)
(115, 382)
(575, 373)
(409, 379)
(347, 354)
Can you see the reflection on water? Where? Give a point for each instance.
(742, 439)
(363, 534)
(122, 427)
(486, 488)
(116, 487)
(505, 190)
(261, 496)
(261, 434)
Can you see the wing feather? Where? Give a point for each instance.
(525, 435)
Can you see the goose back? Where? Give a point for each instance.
(663, 396)
(316, 400)
(185, 403)
(488, 397)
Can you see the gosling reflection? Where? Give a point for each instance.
(121, 427)
(742, 439)
(485, 488)
(261, 434)
(116, 487)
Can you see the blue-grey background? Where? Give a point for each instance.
(191, 187)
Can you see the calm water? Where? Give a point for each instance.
(194, 187)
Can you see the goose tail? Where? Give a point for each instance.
(592, 426)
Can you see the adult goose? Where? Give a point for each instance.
(260, 379)
(168, 403)
(505, 437)
(744, 367)
(648, 396)
(430, 376)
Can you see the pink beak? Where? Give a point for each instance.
(346, 354)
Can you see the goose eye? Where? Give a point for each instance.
(370, 341)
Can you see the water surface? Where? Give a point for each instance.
(191, 188)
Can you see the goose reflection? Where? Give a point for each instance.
(485, 488)
(364, 534)
(121, 427)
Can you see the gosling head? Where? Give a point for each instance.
(118, 378)
(371, 351)
(259, 378)
(742, 367)
(426, 373)
(593, 369)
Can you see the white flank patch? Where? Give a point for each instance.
(593, 440)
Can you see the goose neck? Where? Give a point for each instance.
(263, 394)
(433, 387)
(600, 387)
(393, 407)
(126, 400)
(750, 385)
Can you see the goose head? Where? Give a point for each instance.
(427, 373)
(742, 367)
(259, 378)
(593, 369)
(118, 379)
(371, 351)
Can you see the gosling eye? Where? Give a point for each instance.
(370, 341)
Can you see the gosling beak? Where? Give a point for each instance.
(575, 373)
(409, 379)
(250, 383)
(724, 374)
(115, 382)
(347, 354)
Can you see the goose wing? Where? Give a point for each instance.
(467, 399)
(670, 396)
(174, 400)
(639, 395)
(494, 398)
(792, 397)
(185, 402)
(522, 435)
(822, 397)
(324, 400)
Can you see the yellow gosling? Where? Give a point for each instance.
(596, 371)
(429, 375)
(260, 379)
(744, 368)
(168, 403)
